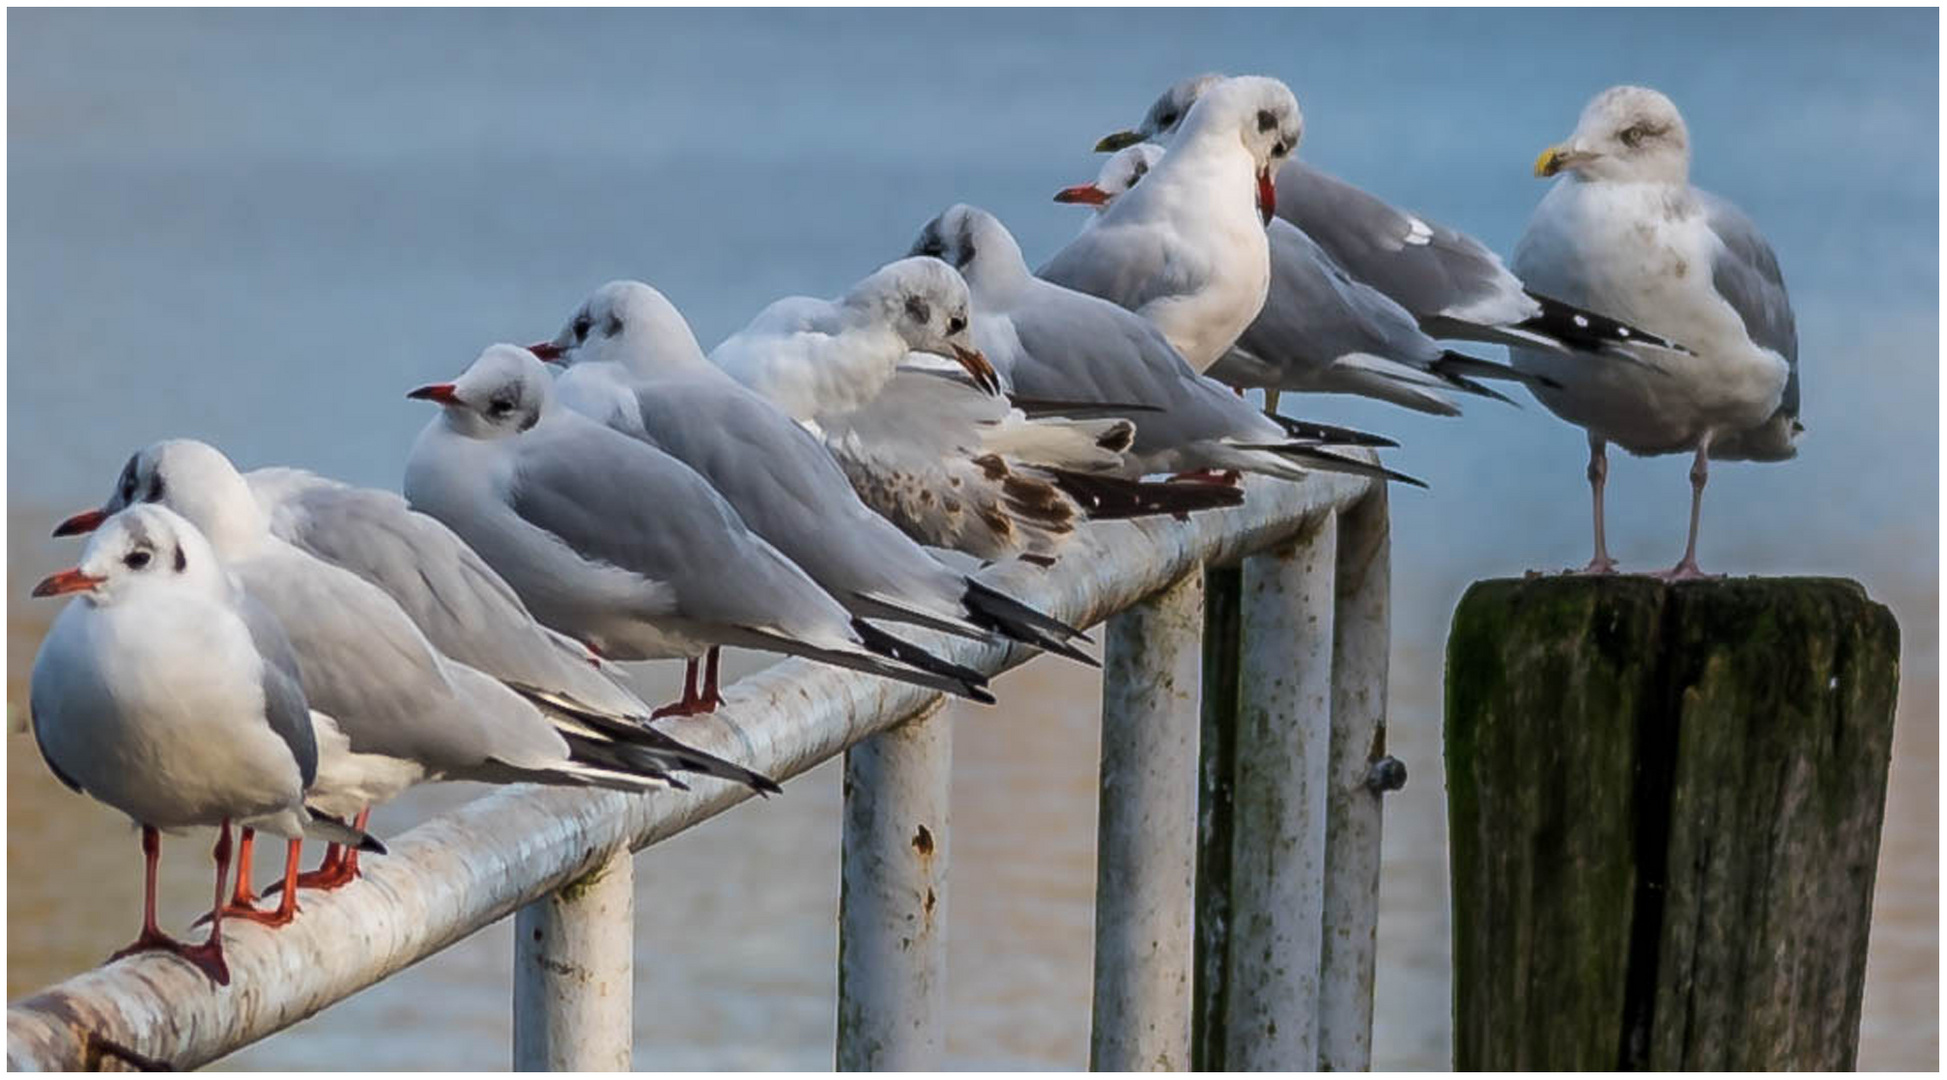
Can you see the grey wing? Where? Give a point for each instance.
(1430, 269)
(285, 707)
(1317, 313)
(616, 500)
(1124, 264)
(1745, 273)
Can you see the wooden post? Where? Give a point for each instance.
(1279, 816)
(1146, 834)
(1665, 807)
(574, 972)
(892, 898)
(1360, 774)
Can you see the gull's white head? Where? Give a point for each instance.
(973, 242)
(628, 323)
(141, 547)
(1627, 133)
(1164, 117)
(926, 302)
(191, 478)
(1121, 172)
(505, 392)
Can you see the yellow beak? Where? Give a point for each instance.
(1559, 157)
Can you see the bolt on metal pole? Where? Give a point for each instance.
(574, 987)
(1146, 833)
(892, 905)
(1278, 828)
(1361, 640)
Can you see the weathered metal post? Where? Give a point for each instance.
(1223, 588)
(1279, 819)
(1360, 772)
(1665, 807)
(892, 904)
(574, 974)
(1146, 834)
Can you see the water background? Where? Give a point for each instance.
(261, 227)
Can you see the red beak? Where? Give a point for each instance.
(86, 521)
(1267, 195)
(548, 351)
(440, 392)
(1086, 194)
(67, 581)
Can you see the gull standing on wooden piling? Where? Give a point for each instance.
(1624, 231)
(399, 711)
(1186, 249)
(633, 364)
(162, 691)
(620, 545)
(1054, 342)
(1320, 331)
(1452, 283)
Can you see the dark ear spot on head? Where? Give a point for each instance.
(613, 327)
(917, 310)
(182, 561)
(1266, 120)
(530, 420)
(155, 489)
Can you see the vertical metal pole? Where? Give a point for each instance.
(574, 952)
(1278, 829)
(1223, 588)
(1146, 834)
(892, 902)
(1361, 640)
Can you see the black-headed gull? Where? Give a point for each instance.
(1452, 283)
(633, 364)
(621, 546)
(1624, 231)
(160, 691)
(1054, 342)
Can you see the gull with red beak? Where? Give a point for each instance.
(620, 545)
(163, 692)
(1186, 248)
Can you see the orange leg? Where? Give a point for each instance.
(209, 955)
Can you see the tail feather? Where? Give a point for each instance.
(334, 830)
(1024, 624)
(1111, 498)
(1323, 460)
(928, 670)
(1455, 363)
(629, 744)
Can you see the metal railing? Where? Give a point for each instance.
(1237, 896)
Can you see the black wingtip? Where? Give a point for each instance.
(966, 682)
(1314, 431)
(1584, 329)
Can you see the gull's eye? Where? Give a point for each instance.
(1266, 120)
(136, 560)
(1167, 120)
(956, 324)
(501, 406)
(582, 323)
(1632, 136)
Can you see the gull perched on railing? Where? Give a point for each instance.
(1186, 250)
(622, 546)
(162, 691)
(633, 364)
(1623, 230)
(1053, 342)
(399, 711)
(1320, 331)
(1452, 283)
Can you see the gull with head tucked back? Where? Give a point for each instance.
(1624, 231)
(1186, 249)
(633, 364)
(618, 544)
(163, 691)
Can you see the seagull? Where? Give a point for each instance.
(1187, 250)
(163, 692)
(1320, 331)
(618, 544)
(1624, 231)
(1053, 342)
(951, 461)
(633, 364)
(1452, 283)
(399, 710)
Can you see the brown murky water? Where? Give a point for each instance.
(736, 948)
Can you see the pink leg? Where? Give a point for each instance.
(1687, 569)
(1598, 479)
(695, 703)
(711, 697)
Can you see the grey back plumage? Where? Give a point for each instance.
(285, 707)
(1746, 274)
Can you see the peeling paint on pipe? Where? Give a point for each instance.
(574, 974)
